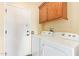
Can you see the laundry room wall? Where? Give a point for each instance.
(2, 29)
(70, 25)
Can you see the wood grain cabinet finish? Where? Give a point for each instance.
(52, 11)
(43, 13)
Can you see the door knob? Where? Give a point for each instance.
(28, 34)
(27, 31)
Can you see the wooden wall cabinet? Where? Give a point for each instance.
(52, 11)
(43, 13)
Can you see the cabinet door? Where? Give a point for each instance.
(64, 8)
(54, 10)
(43, 13)
(59, 9)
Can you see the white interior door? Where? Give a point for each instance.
(18, 31)
(9, 31)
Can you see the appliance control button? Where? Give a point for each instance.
(73, 36)
(69, 35)
(63, 34)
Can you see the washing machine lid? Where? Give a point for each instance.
(59, 38)
(65, 35)
(60, 41)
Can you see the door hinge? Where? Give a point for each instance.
(5, 53)
(6, 10)
(5, 31)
